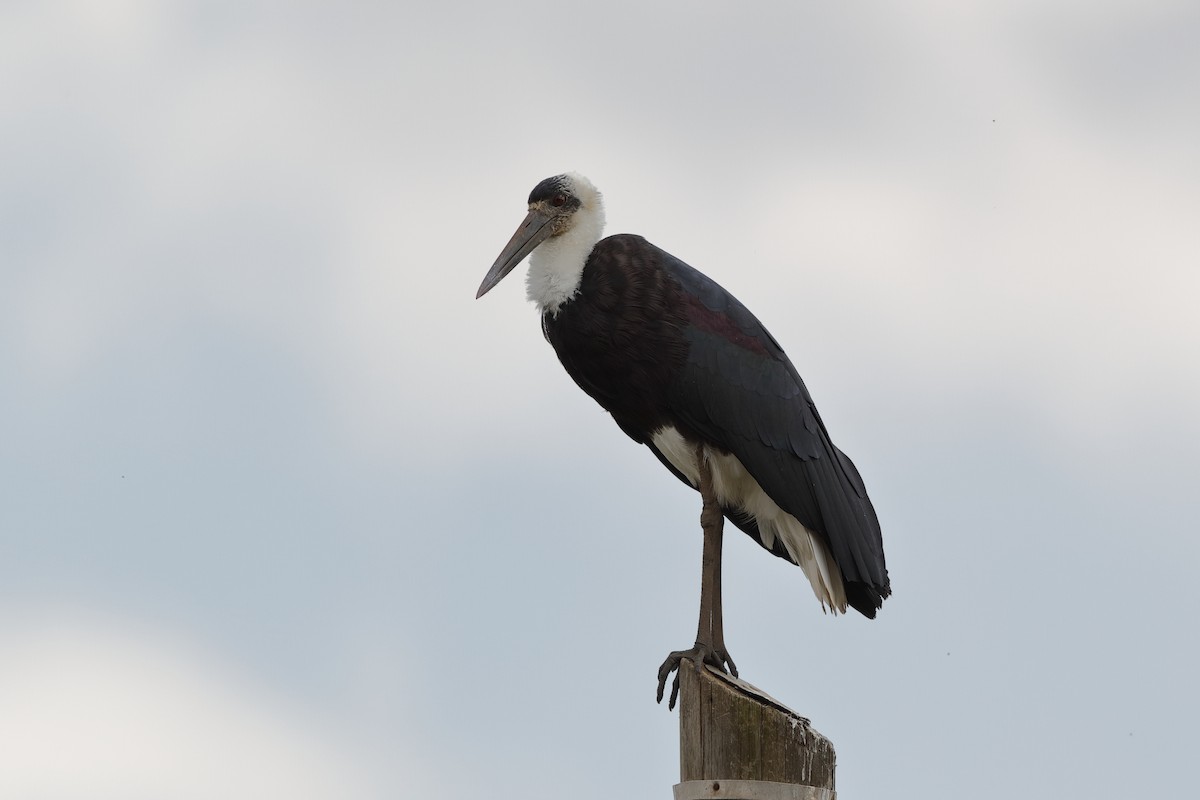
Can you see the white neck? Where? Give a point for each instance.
(556, 266)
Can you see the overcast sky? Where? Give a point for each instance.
(289, 514)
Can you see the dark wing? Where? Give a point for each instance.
(739, 391)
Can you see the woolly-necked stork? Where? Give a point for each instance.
(688, 371)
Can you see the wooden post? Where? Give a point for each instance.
(738, 743)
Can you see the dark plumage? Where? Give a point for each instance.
(656, 343)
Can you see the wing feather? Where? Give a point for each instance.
(739, 390)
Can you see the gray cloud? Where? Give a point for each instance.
(253, 401)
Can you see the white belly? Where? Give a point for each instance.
(736, 488)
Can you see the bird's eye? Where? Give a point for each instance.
(558, 199)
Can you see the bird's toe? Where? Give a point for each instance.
(699, 654)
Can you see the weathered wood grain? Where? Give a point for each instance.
(732, 731)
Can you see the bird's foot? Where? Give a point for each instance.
(700, 654)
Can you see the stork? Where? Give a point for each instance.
(688, 371)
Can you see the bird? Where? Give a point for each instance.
(688, 371)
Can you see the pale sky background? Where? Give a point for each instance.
(289, 514)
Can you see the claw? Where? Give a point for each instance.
(699, 654)
(672, 664)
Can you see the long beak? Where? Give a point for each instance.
(534, 230)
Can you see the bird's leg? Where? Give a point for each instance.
(713, 523)
(710, 633)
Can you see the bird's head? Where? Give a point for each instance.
(565, 206)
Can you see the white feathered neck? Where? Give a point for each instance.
(556, 266)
